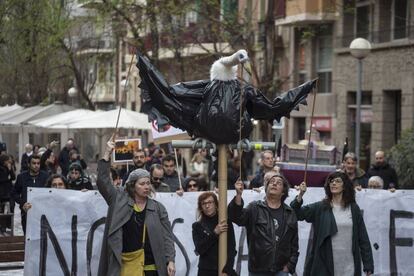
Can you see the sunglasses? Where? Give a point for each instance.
(192, 185)
(158, 178)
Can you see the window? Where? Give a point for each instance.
(324, 59)
(363, 19)
(299, 129)
(400, 16)
(280, 9)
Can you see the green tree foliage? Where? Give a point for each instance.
(30, 61)
(402, 158)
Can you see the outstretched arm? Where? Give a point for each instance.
(237, 213)
(307, 212)
(104, 181)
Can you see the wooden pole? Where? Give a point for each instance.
(309, 138)
(222, 215)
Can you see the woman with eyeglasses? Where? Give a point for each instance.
(206, 233)
(340, 238)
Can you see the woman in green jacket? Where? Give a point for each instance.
(340, 239)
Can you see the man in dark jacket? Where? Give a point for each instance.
(272, 228)
(170, 173)
(64, 158)
(382, 169)
(267, 164)
(138, 157)
(34, 177)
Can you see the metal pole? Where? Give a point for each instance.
(358, 113)
(253, 145)
(222, 215)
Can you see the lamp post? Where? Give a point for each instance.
(124, 88)
(360, 49)
(72, 93)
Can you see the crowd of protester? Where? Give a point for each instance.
(156, 171)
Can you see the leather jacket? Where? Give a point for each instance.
(265, 253)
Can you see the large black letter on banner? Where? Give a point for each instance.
(181, 246)
(240, 256)
(89, 243)
(394, 242)
(46, 230)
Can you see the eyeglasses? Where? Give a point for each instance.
(157, 178)
(276, 181)
(336, 180)
(205, 203)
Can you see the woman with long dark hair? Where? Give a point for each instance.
(7, 175)
(340, 238)
(206, 232)
(137, 234)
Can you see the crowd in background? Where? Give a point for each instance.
(38, 165)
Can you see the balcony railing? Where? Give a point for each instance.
(381, 36)
(95, 43)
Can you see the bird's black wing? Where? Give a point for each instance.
(261, 108)
(176, 105)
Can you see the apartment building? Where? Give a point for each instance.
(316, 35)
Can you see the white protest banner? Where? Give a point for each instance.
(64, 232)
(388, 217)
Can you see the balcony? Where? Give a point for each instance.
(307, 12)
(95, 46)
(104, 92)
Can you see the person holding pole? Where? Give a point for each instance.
(205, 237)
(272, 228)
(138, 239)
(340, 239)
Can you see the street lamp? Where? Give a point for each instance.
(360, 49)
(72, 93)
(124, 88)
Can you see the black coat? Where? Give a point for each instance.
(24, 165)
(64, 160)
(206, 246)
(257, 181)
(319, 261)
(6, 185)
(386, 172)
(25, 180)
(265, 254)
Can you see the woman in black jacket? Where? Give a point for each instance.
(205, 236)
(7, 175)
(340, 239)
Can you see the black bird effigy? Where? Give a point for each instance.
(210, 109)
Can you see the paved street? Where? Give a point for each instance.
(17, 231)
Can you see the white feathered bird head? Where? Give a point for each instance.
(225, 68)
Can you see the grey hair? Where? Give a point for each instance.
(264, 152)
(377, 179)
(350, 155)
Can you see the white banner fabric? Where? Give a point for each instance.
(64, 225)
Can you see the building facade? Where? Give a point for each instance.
(316, 35)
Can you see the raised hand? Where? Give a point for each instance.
(239, 186)
(110, 145)
(302, 191)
